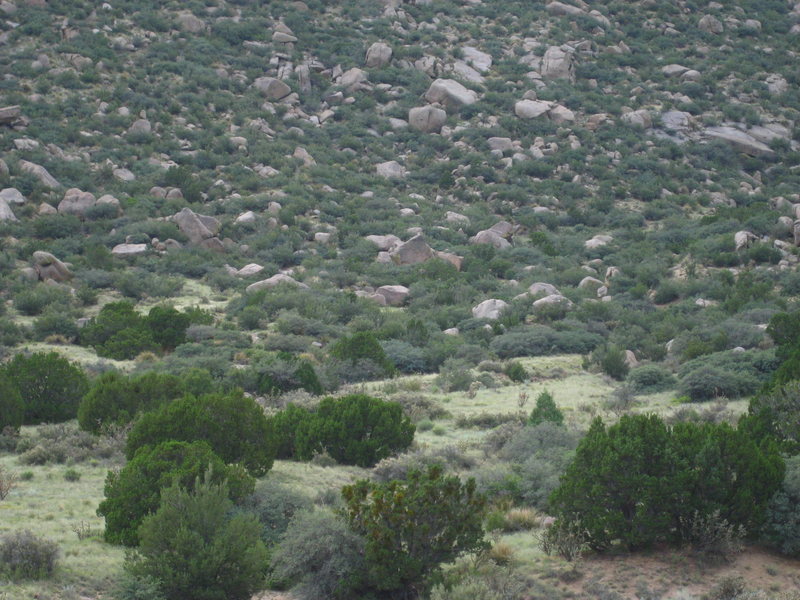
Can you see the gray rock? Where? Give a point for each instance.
(561, 114)
(190, 23)
(558, 64)
(353, 79)
(140, 126)
(129, 250)
(776, 84)
(638, 118)
(415, 250)
(196, 227)
(275, 280)
(467, 73)
(451, 94)
(560, 9)
(674, 70)
(246, 217)
(12, 196)
(124, 175)
(551, 300)
(480, 60)
(391, 170)
(490, 237)
(743, 239)
(427, 119)
(108, 199)
(503, 144)
(385, 242)
(710, 24)
(40, 173)
(395, 295)
(548, 289)
(531, 109)
(740, 140)
(590, 283)
(281, 37)
(272, 88)
(457, 218)
(49, 267)
(6, 214)
(249, 270)
(76, 202)
(489, 309)
(676, 120)
(503, 228)
(378, 55)
(597, 241)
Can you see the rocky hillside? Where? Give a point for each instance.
(522, 177)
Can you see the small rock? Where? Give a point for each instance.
(273, 281)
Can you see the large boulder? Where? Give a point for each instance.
(638, 118)
(739, 140)
(272, 88)
(6, 214)
(450, 94)
(196, 227)
(412, 252)
(489, 309)
(560, 9)
(548, 289)
(76, 202)
(481, 61)
(531, 109)
(12, 196)
(40, 173)
(710, 24)
(487, 236)
(353, 79)
(427, 119)
(391, 170)
(277, 279)
(49, 267)
(558, 64)
(394, 295)
(385, 243)
(190, 23)
(597, 241)
(123, 250)
(743, 239)
(378, 55)
(550, 300)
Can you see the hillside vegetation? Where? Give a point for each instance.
(283, 263)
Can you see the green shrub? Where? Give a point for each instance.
(413, 526)
(275, 505)
(546, 410)
(612, 361)
(132, 587)
(51, 386)
(195, 548)
(26, 556)
(454, 375)
(232, 424)
(355, 430)
(320, 556)
(33, 301)
(362, 346)
(669, 477)
(516, 372)
(135, 490)
(12, 410)
(782, 526)
(650, 379)
(115, 399)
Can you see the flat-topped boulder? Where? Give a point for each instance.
(385, 242)
(739, 140)
(124, 250)
(427, 119)
(394, 295)
(450, 94)
(272, 88)
(275, 280)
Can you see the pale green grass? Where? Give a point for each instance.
(312, 480)
(51, 507)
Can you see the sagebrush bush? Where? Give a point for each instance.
(26, 556)
(274, 505)
(650, 379)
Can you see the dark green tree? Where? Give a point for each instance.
(546, 410)
(355, 430)
(167, 326)
(413, 526)
(639, 482)
(233, 425)
(50, 386)
(775, 415)
(12, 410)
(135, 490)
(115, 398)
(197, 549)
(362, 346)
